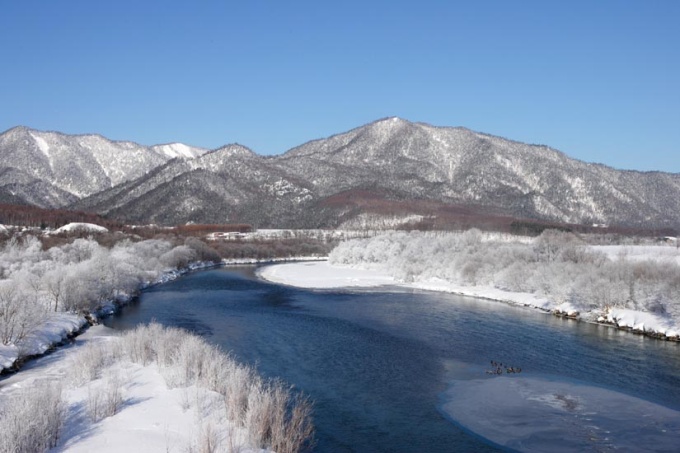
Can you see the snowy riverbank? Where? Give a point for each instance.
(323, 275)
(152, 389)
(57, 327)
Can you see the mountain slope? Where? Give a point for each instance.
(460, 166)
(70, 167)
(391, 168)
(230, 184)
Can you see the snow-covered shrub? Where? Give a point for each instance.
(138, 346)
(16, 254)
(274, 416)
(178, 257)
(207, 439)
(20, 312)
(104, 399)
(277, 418)
(87, 364)
(235, 388)
(31, 420)
(81, 276)
(292, 429)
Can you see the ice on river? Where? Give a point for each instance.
(535, 415)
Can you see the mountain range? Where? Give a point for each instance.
(387, 170)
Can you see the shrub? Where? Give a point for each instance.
(31, 420)
(105, 398)
(274, 416)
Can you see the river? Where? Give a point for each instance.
(395, 370)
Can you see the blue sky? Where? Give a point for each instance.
(599, 80)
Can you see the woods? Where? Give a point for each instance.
(80, 276)
(557, 265)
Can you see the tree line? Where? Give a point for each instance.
(556, 265)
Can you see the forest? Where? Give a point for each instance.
(557, 265)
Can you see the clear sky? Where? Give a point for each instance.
(599, 80)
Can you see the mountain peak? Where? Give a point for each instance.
(234, 149)
(389, 122)
(16, 130)
(179, 150)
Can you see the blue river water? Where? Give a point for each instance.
(382, 365)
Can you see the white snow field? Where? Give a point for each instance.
(152, 390)
(321, 274)
(324, 275)
(530, 414)
(152, 417)
(84, 227)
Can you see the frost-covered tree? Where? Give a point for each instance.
(556, 265)
(79, 276)
(19, 312)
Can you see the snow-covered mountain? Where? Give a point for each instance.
(50, 169)
(226, 185)
(457, 165)
(392, 167)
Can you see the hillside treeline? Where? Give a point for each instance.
(79, 276)
(556, 265)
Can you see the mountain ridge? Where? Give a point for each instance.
(393, 157)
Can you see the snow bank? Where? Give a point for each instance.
(555, 271)
(55, 329)
(84, 227)
(640, 321)
(323, 275)
(152, 418)
(8, 354)
(155, 389)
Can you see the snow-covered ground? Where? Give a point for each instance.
(152, 417)
(55, 329)
(323, 275)
(79, 226)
